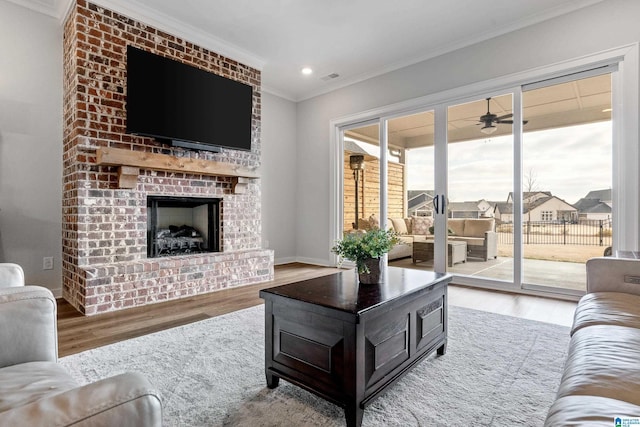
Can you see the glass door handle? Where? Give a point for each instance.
(439, 203)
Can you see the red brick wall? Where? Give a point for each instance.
(104, 228)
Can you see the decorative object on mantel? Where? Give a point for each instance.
(130, 162)
(366, 250)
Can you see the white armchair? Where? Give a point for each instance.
(11, 275)
(36, 391)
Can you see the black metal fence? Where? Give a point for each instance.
(582, 232)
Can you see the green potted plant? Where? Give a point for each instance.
(366, 250)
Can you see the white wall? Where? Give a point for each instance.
(606, 25)
(31, 142)
(279, 173)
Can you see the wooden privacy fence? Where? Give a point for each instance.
(583, 232)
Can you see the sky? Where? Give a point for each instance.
(569, 162)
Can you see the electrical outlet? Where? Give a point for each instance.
(47, 263)
(632, 279)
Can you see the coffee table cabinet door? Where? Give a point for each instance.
(430, 323)
(309, 347)
(386, 344)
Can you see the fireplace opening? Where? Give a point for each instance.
(182, 225)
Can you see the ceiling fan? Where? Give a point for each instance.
(489, 120)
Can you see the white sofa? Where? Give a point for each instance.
(402, 250)
(601, 378)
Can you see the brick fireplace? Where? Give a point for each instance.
(105, 224)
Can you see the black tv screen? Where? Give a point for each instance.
(176, 103)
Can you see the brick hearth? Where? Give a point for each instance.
(105, 265)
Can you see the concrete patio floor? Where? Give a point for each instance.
(558, 274)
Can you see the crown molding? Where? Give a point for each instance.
(272, 91)
(144, 14)
(54, 9)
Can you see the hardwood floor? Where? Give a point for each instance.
(559, 312)
(78, 333)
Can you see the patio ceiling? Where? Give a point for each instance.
(567, 104)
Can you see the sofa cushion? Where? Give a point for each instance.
(374, 222)
(587, 411)
(607, 308)
(28, 382)
(603, 360)
(364, 224)
(405, 240)
(409, 223)
(401, 250)
(390, 225)
(477, 227)
(399, 226)
(457, 226)
(421, 224)
(471, 241)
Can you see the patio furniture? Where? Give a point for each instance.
(479, 235)
(423, 251)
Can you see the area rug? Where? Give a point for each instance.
(498, 371)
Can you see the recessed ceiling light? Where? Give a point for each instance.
(306, 71)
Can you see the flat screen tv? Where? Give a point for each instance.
(186, 106)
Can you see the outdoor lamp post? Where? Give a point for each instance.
(356, 163)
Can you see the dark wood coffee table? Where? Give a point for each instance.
(348, 342)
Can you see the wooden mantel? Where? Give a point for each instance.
(130, 162)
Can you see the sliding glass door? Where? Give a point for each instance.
(480, 185)
(567, 180)
(510, 189)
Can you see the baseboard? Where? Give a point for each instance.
(314, 261)
(285, 260)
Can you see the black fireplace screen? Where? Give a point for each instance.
(182, 225)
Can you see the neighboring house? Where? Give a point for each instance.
(596, 205)
(503, 211)
(538, 206)
(603, 195)
(530, 196)
(420, 202)
(479, 209)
